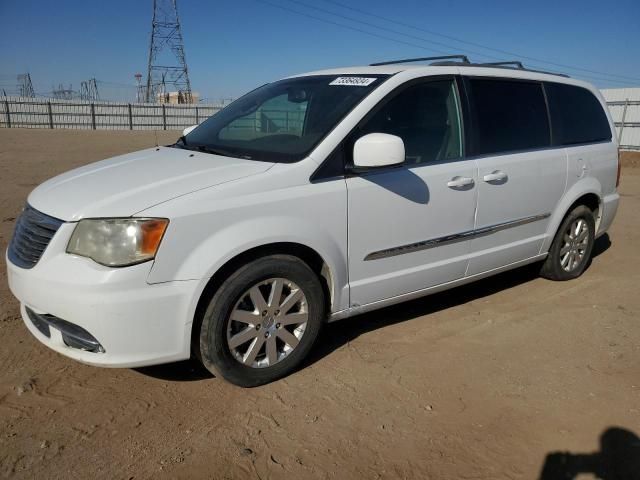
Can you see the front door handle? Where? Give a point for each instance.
(495, 176)
(457, 182)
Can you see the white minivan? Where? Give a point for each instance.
(309, 200)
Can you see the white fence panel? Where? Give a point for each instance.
(17, 112)
(624, 105)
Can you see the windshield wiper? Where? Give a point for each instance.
(206, 149)
(181, 143)
(215, 151)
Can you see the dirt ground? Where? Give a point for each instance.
(495, 380)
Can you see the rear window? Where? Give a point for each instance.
(509, 116)
(576, 115)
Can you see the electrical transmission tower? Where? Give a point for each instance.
(167, 63)
(62, 93)
(25, 87)
(89, 90)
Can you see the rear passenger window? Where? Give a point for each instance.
(427, 119)
(509, 116)
(576, 115)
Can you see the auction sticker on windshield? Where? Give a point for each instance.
(353, 81)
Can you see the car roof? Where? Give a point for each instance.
(460, 68)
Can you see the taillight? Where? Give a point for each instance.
(619, 168)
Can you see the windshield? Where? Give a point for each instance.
(281, 121)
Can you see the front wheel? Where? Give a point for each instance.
(572, 246)
(262, 321)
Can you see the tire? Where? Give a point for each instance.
(239, 332)
(559, 264)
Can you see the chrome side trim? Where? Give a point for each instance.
(424, 245)
(359, 309)
(456, 237)
(512, 223)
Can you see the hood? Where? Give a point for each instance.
(124, 185)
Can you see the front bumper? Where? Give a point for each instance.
(136, 323)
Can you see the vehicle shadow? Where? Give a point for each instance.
(337, 334)
(601, 245)
(403, 182)
(618, 459)
(185, 371)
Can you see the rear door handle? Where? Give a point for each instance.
(495, 176)
(457, 182)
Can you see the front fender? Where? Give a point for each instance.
(211, 227)
(208, 256)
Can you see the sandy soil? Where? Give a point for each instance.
(493, 380)
(630, 159)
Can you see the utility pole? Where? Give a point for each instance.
(25, 87)
(167, 63)
(140, 95)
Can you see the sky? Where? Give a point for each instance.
(233, 46)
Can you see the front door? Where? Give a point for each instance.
(407, 224)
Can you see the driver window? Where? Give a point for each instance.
(277, 116)
(426, 117)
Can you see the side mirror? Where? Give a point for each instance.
(188, 130)
(378, 150)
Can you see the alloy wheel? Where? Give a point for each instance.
(574, 248)
(267, 323)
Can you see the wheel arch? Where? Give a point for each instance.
(586, 193)
(591, 201)
(311, 257)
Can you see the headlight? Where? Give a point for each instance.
(117, 242)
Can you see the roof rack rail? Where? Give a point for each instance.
(516, 65)
(462, 58)
(504, 64)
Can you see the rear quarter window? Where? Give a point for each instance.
(576, 115)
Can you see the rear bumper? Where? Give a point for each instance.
(609, 209)
(136, 323)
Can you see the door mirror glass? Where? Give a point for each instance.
(188, 130)
(378, 150)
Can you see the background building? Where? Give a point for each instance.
(178, 97)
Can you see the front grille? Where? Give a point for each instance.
(34, 230)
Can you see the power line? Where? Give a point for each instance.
(350, 27)
(506, 52)
(373, 25)
(116, 84)
(466, 50)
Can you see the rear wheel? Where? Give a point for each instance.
(571, 249)
(262, 321)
